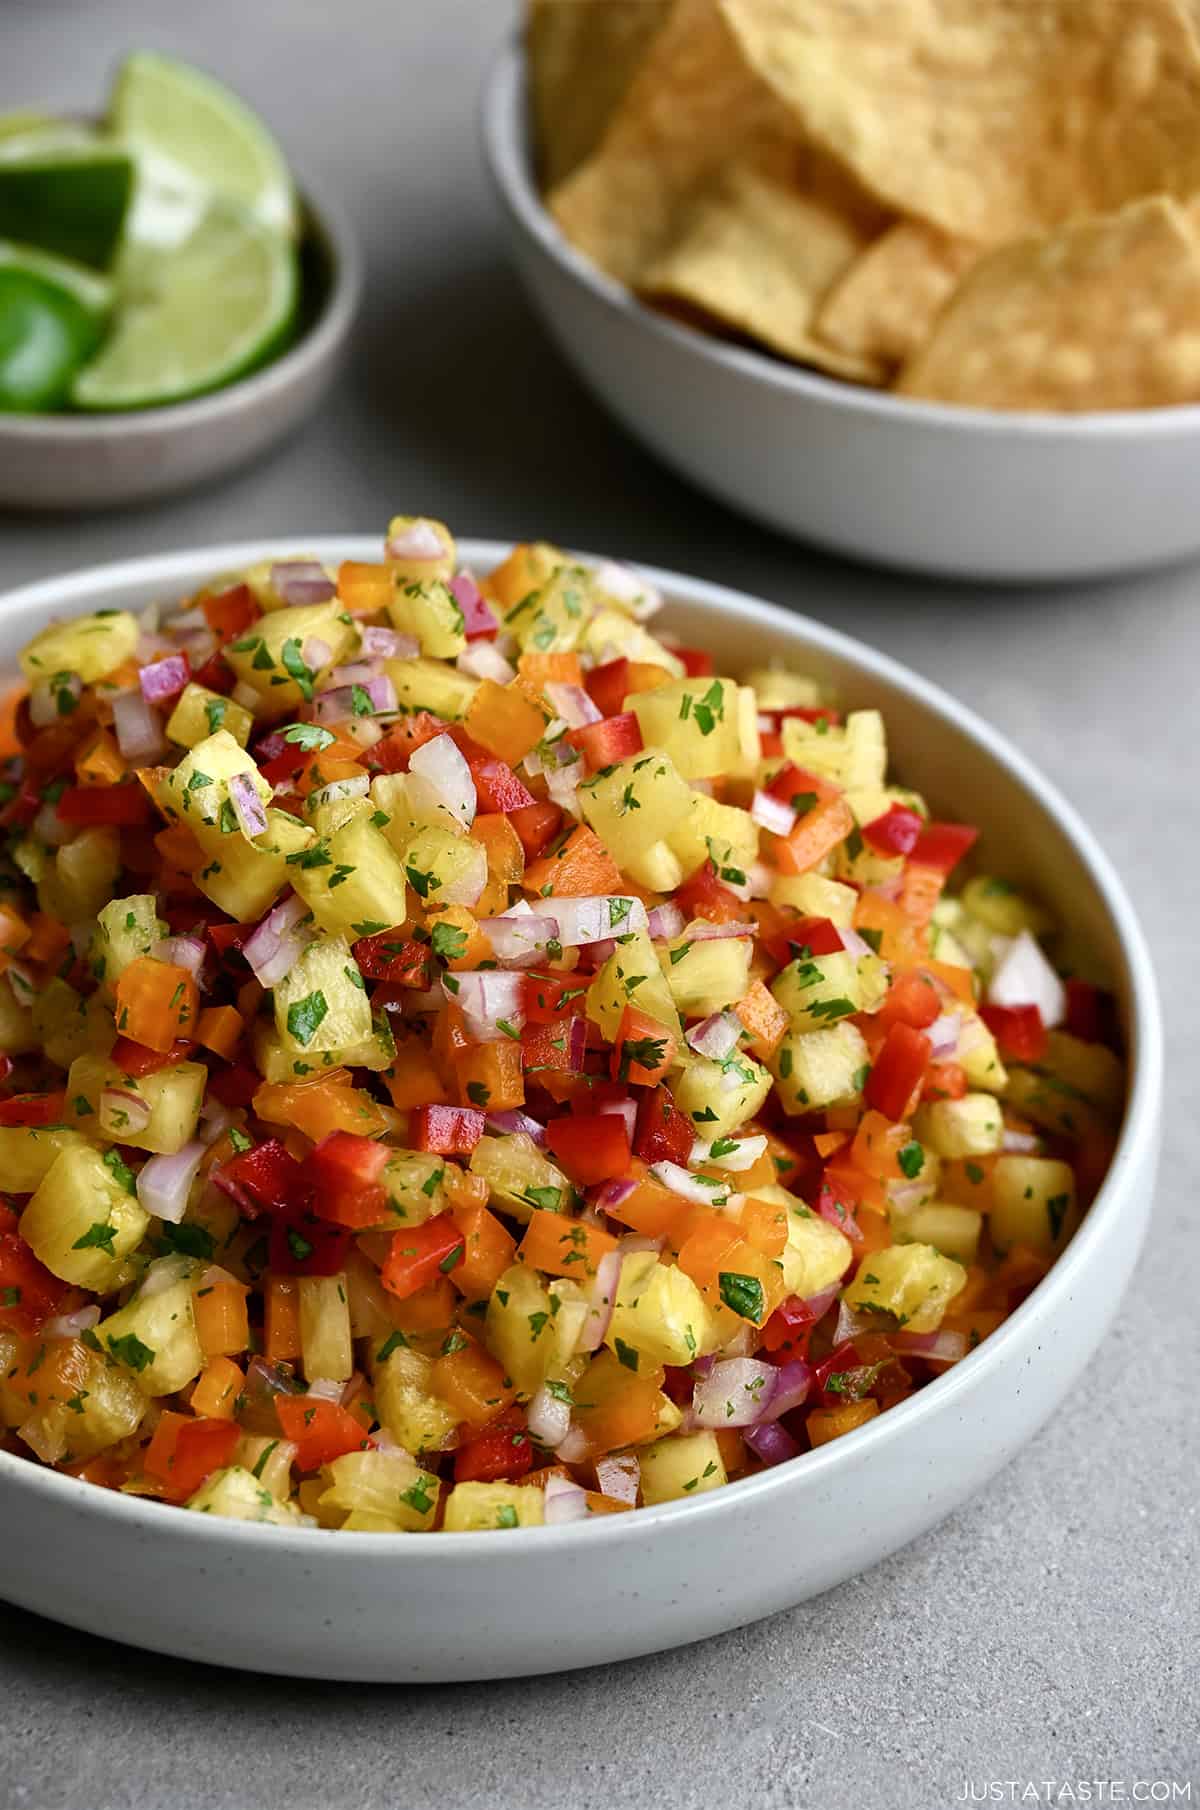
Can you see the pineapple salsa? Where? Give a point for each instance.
(467, 1064)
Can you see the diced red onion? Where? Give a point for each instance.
(574, 1448)
(565, 1501)
(613, 1194)
(245, 695)
(601, 1302)
(486, 996)
(277, 943)
(594, 955)
(122, 1111)
(706, 1191)
(945, 1347)
(628, 587)
(185, 622)
(215, 1121)
(165, 679)
(743, 1156)
(139, 731)
(772, 813)
(316, 653)
(358, 672)
(701, 931)
(300, 581)
(164, 1183)
(906, 1197)
(768, 722)
(716, 1036)
(49, 827)
(481, 661)
(793, 1383)
(518, 1121)
(736, 1393)
(521, 939)
(621, 1109)
(562, 783)
(1023, 977)
(1026, 1143)
(200, 648)
(771, 1443)
(69, 1326)
(852, 943)
(444, 779)
(572, 704)
(182, 951)
(943, 1035)
(340, 704)
(479, 618)
(759, 880)
(247, 806)
(380, 643)
(619, 1478)
(817, 1306)
(548, 1418)
(664, 921)
(590, 919)
(420, 541)
(850, 1323)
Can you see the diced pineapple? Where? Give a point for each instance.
(913, 1282)
(1004, 910)
(853, 757)
(818, 991)
(682, 1465)
(89, 646)
(413, 565)
(517, 1328)
(270, 1460)
(270, 657)
(1053, 1105)
(978, 1056)
(406, 1404)
(68, 1025)
(84, 1219)
(153, 1336)
(632, 975)
(816, 1069)
(414, 1183)
(1090, 1069)
(611, 635)
(391, 798)
(361, 882)
(93, 1406)
(721, 833)
(476, 1507)
(384, 1483)
(325, 1341)
(695, 721)
(718, 1097)
(707, 975)
(816, 1254)
(276, 1060)
(1033, 1203)
(17, 1033)
(238, 1496)
(428, 609)
(971, 1126)
(201, 712)
(551, 619)
(321, 1004)
(944, 946)
(244, 878)
(82, 876)
(125, 929)
(657, 868)
(659, 1313)
(432, 685)
(444, 867)
(634, 803)
(778, 689)
(952, 1230)
(815, 897)
(519, 1176)
(27, 1152)
(174, 1096)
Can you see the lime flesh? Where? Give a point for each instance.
(213, 309)
(52, 316)
(68, 200)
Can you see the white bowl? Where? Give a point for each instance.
(454, 1606)
(71, 462)
(958, 492)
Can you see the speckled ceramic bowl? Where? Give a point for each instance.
(488, 1605)
(74, 462)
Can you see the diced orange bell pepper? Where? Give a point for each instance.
(491, 1076)
(703, 1253)
(616, 1406)
(920, 890)
(901, 941)
(429, 1310)
(644, 1049)
(10, 741)
(14, 933)
(505, 859)
(217, 1389)
(365, 589)
(412, 1080)
(764, 1018)
(829, 822)
(48, 941)
(564, 1247)
(472, 1384)
(281, 1319)
(179, 848)
(764, 1224)
(651, 1209)
(489, 1248)
(319, 1107)
(504, 721)
(157, 1002)
(539, 670)
(101, 762)
(222, 1325)
(824, 1424)
(581, 866)
(220, 1029)
(529, 566)
(877, 1146)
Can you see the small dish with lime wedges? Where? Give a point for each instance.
(119, 377)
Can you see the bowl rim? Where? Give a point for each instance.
(504, 140)
(1136, 1140)
(327, 220)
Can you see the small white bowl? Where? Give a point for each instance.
(453, 1606)
(958, 492)
(71, 462)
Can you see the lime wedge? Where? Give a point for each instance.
(191, 132)
(52, 317)
(67, 199)
(214, 308)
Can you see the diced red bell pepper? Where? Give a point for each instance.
(802, 939)
(644, 1049)
(590, 1147)
(279, 763)
(267, 1179)
(127, 803)
(664, 1133)
(225, 937)
(537, 825)
(836, 1204)
(549, 998)
(911, 999)
(230, 613)
(183, 1452)
(944, 1081)
(29, 1292)
(1091, 1013)
(608, 686)
(320, 1430)
(395, 958)
(303, 1245)
(697, 664)
(603, 744)
(392, 752)
(137, 1060)
(895, 833)
(943, 845)
(446, 1130)
(216, 675)
(420, 1256)
(235, 1085)
(797, 786)
(21, 810)
(841, 1359)
(702, 895)
(560, 1047)
(789, 1329)
(1018, 1030)
(344, 1170)
(497, 787)
(33, 1109)
(898, 1071)
(502, 1451)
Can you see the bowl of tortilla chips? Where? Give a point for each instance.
(915, 280)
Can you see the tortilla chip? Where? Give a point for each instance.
(761, 247)
(691, 108)
(884, 308)
(989, 118)
(1104, 314)
(582, 58)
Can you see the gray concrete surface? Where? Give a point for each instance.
(1048, 1632)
